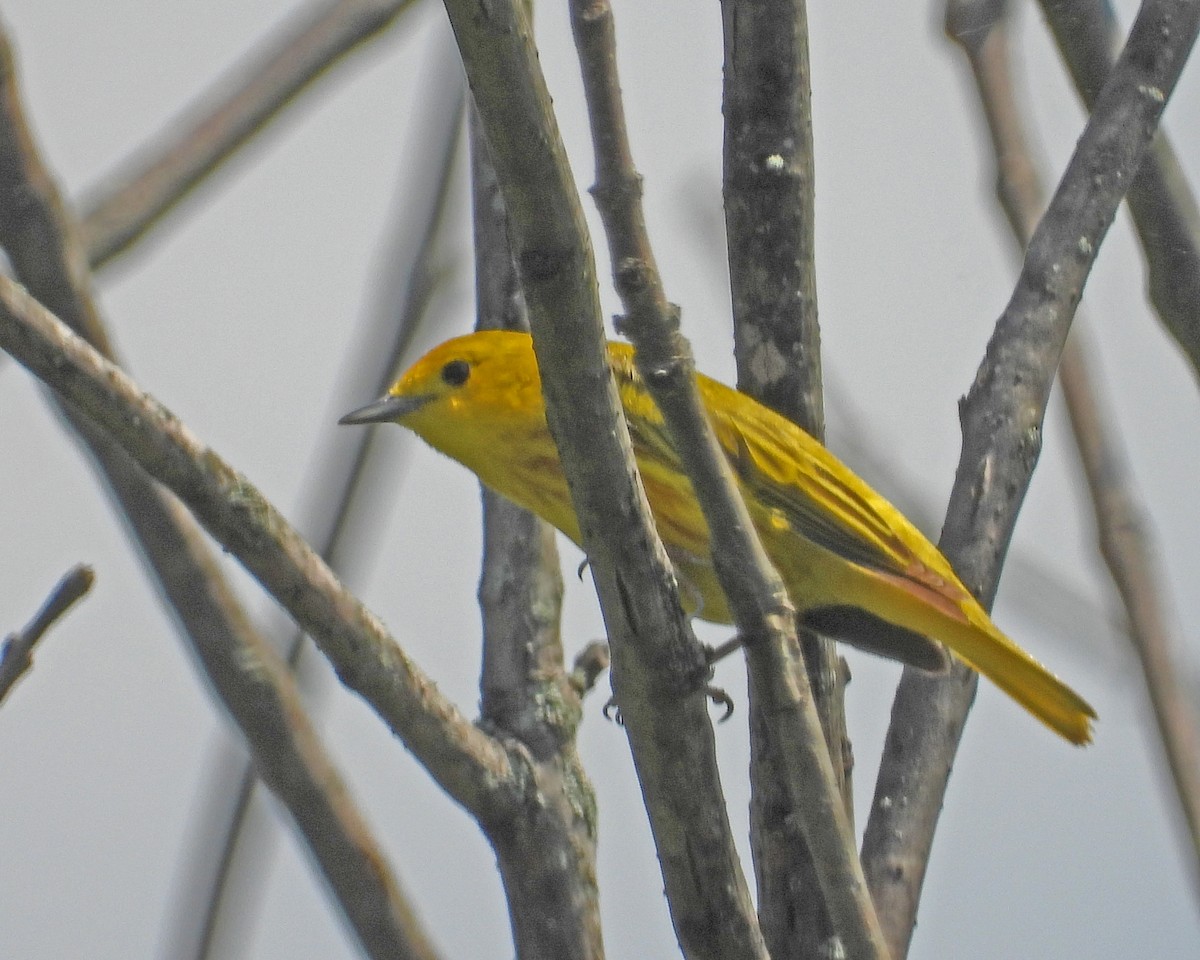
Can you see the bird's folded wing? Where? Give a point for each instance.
(785, 470)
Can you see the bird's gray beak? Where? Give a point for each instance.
(385, 410)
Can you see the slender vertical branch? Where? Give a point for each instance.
(547, 860)
(520, 589)
(768, 192)
(1002, 419)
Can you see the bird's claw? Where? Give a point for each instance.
(720, 698)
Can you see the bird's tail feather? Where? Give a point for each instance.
(970, 634)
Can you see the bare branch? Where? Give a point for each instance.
(341, 479)
(16, 653)
(1127, 544)
(1161, 200)
(1125, 530)
(270, 77)
(754, 589)
(40, 239)
(520, 588)
(658, 666)
(768, 190)
(1002, 417)
(468, 764)
(547, 860)
(259, 691)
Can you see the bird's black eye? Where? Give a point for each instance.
(456, 372)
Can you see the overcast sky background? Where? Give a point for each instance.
(239, 316)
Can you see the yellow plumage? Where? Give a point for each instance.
(853, 564)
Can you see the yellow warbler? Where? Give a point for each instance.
(853, 564)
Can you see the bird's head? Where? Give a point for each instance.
(461, 392)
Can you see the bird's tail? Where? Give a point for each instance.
(968, 631)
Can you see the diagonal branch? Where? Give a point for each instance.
(1125, 532)
(340, 480)
(40, 239)
(1126, 540)
(258, 689)
(1002, 417)
(1163, 205)
(154, 181)
(468, 764)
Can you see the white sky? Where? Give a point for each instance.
(238, 316)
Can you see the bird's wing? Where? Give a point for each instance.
(815, 498)
(781, 468)
(786, 470)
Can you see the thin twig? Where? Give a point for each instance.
(754, 589)
(658, 667)
(16, 653)
(1002, 418)
(163, 173)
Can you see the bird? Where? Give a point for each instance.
(854, 566)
